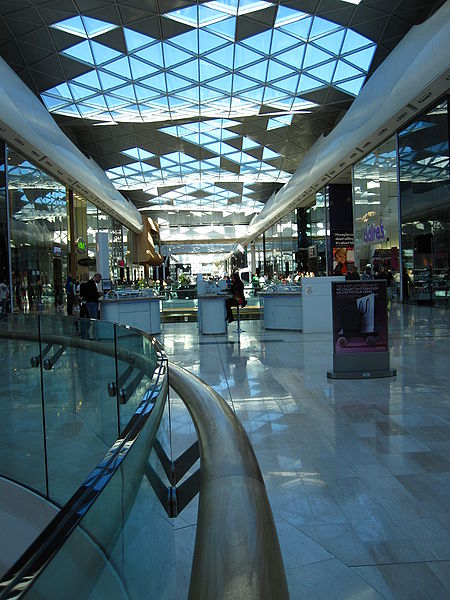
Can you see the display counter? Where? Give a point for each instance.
(211, 314)
(282, 309)
(141, 312)
(317, 308)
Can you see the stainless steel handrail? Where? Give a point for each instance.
(237, 553)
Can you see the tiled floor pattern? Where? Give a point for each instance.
(357, 471)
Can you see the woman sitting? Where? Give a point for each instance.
(237, 296)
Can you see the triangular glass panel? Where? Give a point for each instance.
(269, 154)
(113, 102)
(191, 94)
(62, 90)
(299, 29)
(307, 83)
(354, 41)
(352, 87)
(188, 15)
(186, 41)
(324, 72)
(108, 81)
(81, 52)
(208, 70)
(287, 15)
(261, 41)
(86, 111)
(120, 67)
(222, 84)
(255, 95)
(135, 40)
(294, 57)
(97, 101)
(190, 70)
(74, 25)
(206, 15)
(140, 69)
(223, 57)
(90, 79)
(276, 70)
(174, 56)
(153, 54)
(321, 26)
(288, 84)
(243, 56)
(103, 54)
(127, 91)
(282, 41)
(314, 56)
(52, 103)
(332, 42)
(241, 83)
(258, 71)
(157, 82)
(175, 83)
(362, 59)
(209, 41)
(345, 71)
(270, 94)
(79, 92)
(207, 94)
(226, 28)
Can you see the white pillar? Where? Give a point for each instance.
(102, 254)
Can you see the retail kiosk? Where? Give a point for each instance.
(283, 308)
(135, 308)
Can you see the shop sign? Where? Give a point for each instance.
(374, 233)
(81, 245)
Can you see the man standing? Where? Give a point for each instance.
(90, 295)
(4, 295)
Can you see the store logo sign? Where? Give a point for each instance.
(374, 233)
(81, 245)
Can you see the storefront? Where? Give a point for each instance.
(402, 208)
(47, 232)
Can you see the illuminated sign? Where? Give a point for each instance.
(81, 245)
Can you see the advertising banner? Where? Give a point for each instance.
(359, 317)
(343, 252)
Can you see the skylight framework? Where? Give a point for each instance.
(206, 71)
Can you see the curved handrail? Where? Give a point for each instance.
(237, 553)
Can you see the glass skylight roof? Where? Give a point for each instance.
(205, 71)
(210, 76)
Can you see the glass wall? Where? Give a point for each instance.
(425, 206)
(318, 234)
(375, 196)
(38, 234)
(4, 235)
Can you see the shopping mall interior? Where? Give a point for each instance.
(259, 406)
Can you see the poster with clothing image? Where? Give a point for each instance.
(359, 317)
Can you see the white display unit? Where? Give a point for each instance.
(211, 314)
(316, 293)
(140, 312)
(282, 310)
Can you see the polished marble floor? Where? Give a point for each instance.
(357, 471)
